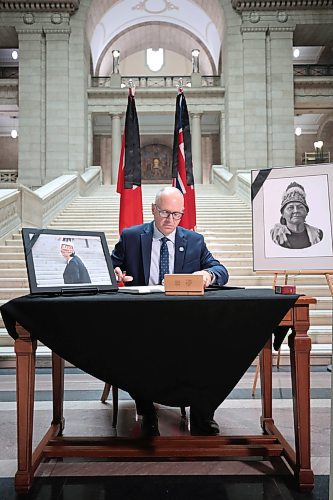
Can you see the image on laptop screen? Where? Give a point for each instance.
(60, 261)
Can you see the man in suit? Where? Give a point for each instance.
(136, 259)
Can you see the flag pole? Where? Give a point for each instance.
(182, 167)
(129, 172)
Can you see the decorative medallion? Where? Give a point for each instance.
(155, 7)
(28, 18)
(282, 16)
(254, 17)
(56, 18)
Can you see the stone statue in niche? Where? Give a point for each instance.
(156, 168)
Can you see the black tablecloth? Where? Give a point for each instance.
(172, 349)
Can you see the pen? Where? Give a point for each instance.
(121, 281)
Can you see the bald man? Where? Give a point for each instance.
(136, 259)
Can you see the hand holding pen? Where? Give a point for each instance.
(121, 276)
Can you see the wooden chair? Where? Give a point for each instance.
(105, 395)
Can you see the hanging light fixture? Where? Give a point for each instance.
(13, 132)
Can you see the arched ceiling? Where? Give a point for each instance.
(176, 25)
(158, 35)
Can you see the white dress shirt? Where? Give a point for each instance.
(155, 255)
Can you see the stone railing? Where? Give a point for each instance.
(10, 211)
(39, 207)
(23, 207)
(156, 81)
(238, 183)
(313, 69)
(9, 72)
(8, 176)
(313, 157)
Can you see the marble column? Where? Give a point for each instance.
(281, 97)
(222, 139)
(105, 155)
(31, 156)
(116, 145)
(90, 139)
(57, 102)
(196, 147)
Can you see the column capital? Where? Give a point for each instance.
(49, 32)
(22, 32)
(196, 114)
(254, 29)
(116, 114)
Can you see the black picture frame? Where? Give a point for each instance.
(268, 190)
(47, 267)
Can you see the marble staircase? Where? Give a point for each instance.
(226, 223)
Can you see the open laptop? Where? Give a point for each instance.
(64, 261)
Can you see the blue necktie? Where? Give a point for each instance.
(164, 260)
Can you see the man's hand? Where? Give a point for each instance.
(207, 277)
(121, 276)
(279, 233)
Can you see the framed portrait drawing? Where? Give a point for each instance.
(67, 261)
(292, 217)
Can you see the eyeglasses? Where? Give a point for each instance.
(165, 214)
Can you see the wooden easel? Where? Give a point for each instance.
(286, 274)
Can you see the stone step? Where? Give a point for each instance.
(321, 317)
(16, 272)
(320, 355)
(11, 249)
(13, 282)
(311, 290)
(12, 263)
(264, 280)
(12, 293)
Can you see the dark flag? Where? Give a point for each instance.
(182, 168)
(129, 173)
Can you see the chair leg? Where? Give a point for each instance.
(106, 392)
(278, 359)
(115, 406)
(256, 377)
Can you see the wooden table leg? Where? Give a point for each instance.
(58, 391)
(25, 350)
(266, 382)
(300, 347)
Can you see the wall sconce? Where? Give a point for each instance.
(115, 66)
(13, 132)
(14, 55)
(195, 60)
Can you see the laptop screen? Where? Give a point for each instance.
(63, 261)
